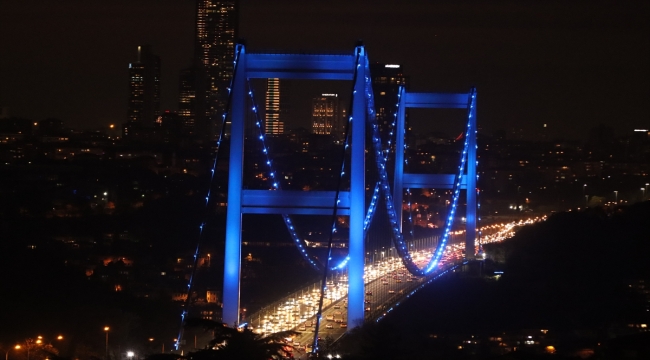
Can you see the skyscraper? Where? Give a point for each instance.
(273, 125)
(144, 92)
(276, 107)
(204, 86)
(386, 80)
(191, 104)
(326, 115)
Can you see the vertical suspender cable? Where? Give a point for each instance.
(335, 208)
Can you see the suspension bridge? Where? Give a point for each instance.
(372, 182)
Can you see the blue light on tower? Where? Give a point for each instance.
(324, 67)
(362, 116)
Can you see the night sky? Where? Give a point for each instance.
(569, 64)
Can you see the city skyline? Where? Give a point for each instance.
(140, 238)
(570, 66)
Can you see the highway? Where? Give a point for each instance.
(387, 283)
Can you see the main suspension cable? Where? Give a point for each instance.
(398, 238)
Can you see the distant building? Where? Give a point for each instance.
(273, 124)
(144, 93)
(638, 145)
(216, 33)
(326, 115)
(276, 107)
(191, 104)
(204, 86)
(386, 80)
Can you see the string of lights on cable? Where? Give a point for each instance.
(275, 184)
(323, 287)
(398, 237)
(215, 162)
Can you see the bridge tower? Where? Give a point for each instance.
(350, 67)
(439, 181)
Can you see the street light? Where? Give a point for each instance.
(616, 196)
(642, 193)
(106, 330)
(18, 347)
(27, 345)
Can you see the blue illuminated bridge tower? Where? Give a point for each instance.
(354, 68)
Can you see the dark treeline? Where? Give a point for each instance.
(579, 268)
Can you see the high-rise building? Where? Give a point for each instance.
(386, 80)
(326, 115)
(191, 104)
(273, 125)
(204, 86)
(276, 107)
(216, 35)
(144, 91)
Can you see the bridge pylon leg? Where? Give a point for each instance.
(472, 206)
(232, 259)
(468, 178)
(356, 284)
(295, 66)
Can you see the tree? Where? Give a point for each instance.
(33, 349)
(239, 343)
